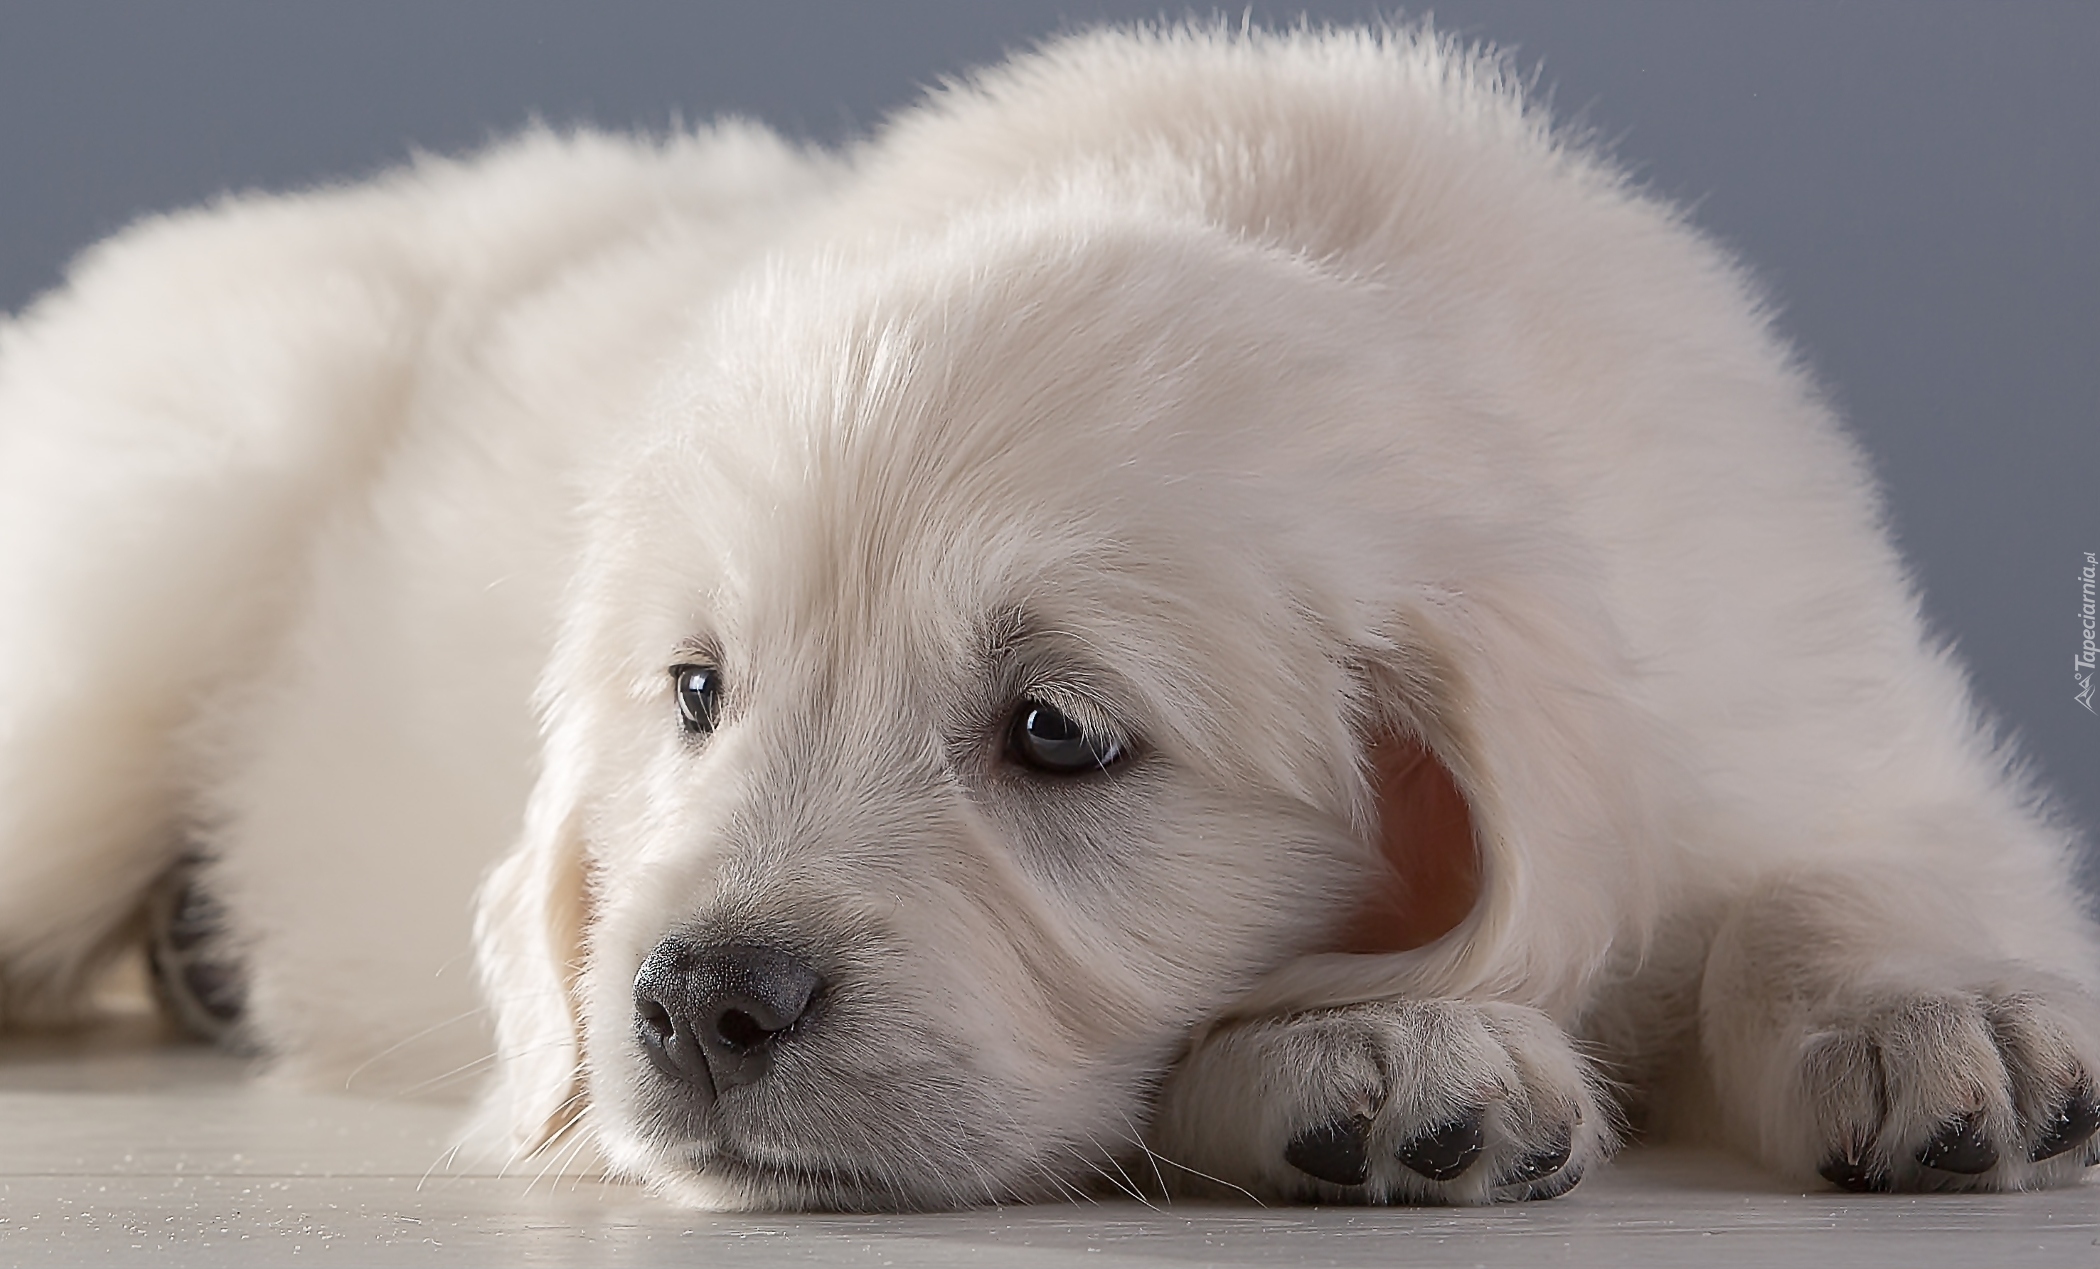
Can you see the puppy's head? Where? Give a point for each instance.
(970, 688)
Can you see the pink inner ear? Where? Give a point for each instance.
(1425, 834)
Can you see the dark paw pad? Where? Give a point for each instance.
(1332, 1152)
(1959, 1146)
(1443, 1154)
(1542, 1163)
(2070, 1127)
(1850, 1170)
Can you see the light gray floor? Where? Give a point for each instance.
(114, 1150)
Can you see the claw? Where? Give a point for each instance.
(1443, 1154)
(1553, 1186)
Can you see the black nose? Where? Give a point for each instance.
(709, 1015)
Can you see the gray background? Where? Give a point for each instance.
(1918, 184)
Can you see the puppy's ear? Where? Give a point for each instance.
(529, 925)
(1528, 710)
(1431, 879)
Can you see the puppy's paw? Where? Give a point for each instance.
(1978, 1090)
(196, 970)
(1393, 1102)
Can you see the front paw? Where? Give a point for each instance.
(1390, 1102)
(1950, 1090)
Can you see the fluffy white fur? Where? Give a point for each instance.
(1252, 397)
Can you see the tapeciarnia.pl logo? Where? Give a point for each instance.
(2082, 664)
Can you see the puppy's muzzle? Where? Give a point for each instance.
(711, 1016)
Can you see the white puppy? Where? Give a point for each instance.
(1232, 590)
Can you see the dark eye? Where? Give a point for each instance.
(1045, 738)
(699, 690)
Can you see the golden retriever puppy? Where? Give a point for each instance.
(1233, 597)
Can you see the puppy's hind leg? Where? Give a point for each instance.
(169, 426)
(1870, 1031)
(99, 594)
(100, 672)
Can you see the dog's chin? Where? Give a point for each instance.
(723, 1178)
(767, 1159)
(719, 1178)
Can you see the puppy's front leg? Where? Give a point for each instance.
(1408, 1101)
(1873, 1034)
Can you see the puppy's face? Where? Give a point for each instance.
(959, 708)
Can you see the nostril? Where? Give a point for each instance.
(654, 1022)
(663, 1028)
(741, 1031)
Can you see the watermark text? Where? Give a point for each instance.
(2088, 653)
